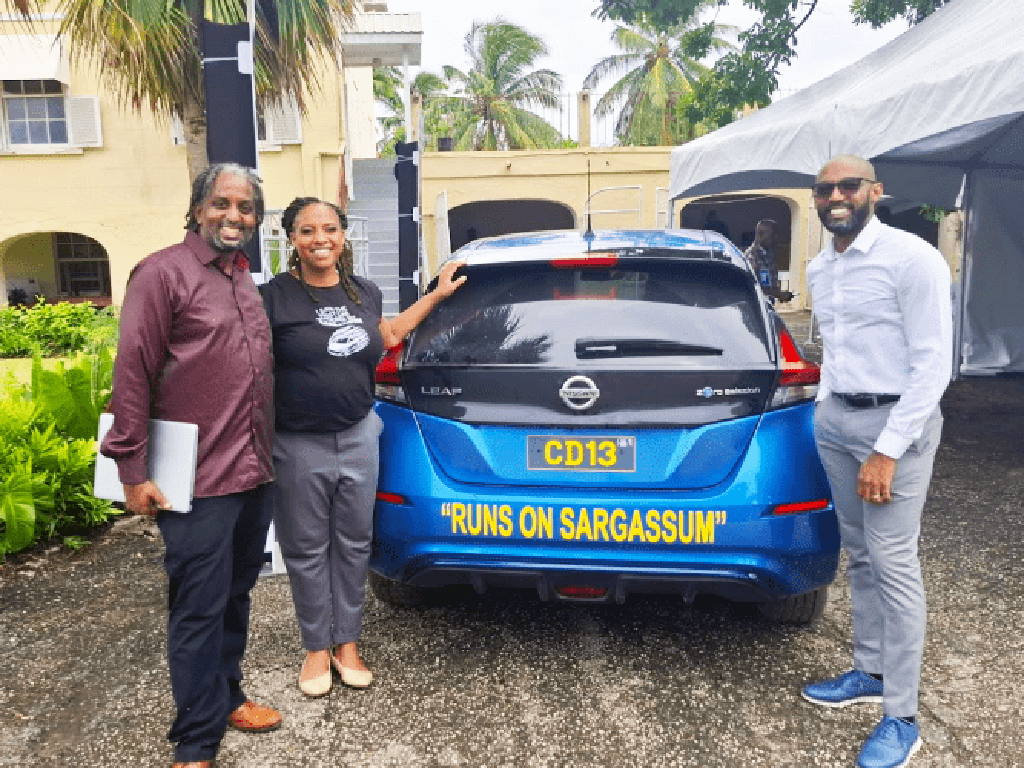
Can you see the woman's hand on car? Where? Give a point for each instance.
(447, 284)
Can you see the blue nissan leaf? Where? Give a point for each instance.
(601, 414)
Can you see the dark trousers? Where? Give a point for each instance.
(213, 557)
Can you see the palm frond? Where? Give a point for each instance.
(658, 74)
(620, 92)
(636, 40)
(147, 50)
(610, 65)
(486, 105)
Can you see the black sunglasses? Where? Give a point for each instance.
(849, 186)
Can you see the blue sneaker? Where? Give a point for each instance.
(890, 745)
(853, 687)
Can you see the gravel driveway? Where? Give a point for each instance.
(505, 680)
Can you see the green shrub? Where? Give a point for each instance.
(55, 329)
(48, 452)
(14, 341)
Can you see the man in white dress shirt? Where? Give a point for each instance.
(881, 297)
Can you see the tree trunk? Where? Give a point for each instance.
(194, 119)
(193, 108)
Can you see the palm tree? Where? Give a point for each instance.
(387, 91)
(660, 72)
(147, 51)
(489, 108)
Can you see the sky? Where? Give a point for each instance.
(576, 40)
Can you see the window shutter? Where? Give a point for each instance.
(284, 123)
(84, 121)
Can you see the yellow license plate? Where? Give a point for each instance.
(614, 453)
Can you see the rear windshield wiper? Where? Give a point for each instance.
(591, 348)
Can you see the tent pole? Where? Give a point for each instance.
(963, 281)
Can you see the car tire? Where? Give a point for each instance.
(396, 593)
(801, 609)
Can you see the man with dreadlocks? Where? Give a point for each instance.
(329, 334)
(195, 347)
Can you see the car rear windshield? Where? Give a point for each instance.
(669, 314)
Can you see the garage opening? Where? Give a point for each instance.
(489, 218)
(736, 217)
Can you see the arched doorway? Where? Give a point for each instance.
(60, 266)
(488, 218)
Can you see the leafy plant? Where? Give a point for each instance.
(932, 213)
(14, 341)
(55, 329)
(17, 509)
(72, 397)
(75, 543)
(48, 452)
(750, 76)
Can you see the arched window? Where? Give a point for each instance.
(83, 269)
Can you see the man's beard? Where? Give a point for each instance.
(220, 246)
(859, 214)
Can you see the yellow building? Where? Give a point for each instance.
(466, 195)
(88, 188)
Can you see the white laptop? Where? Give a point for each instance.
(173, 452)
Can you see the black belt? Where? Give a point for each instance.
(865, 400)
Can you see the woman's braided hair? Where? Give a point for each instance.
(344, 265)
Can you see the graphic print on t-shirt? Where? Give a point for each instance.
(350, 336)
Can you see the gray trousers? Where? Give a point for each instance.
(881, 539)
(323, 515)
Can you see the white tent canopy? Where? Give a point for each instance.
(940, 111)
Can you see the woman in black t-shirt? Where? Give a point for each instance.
(329, 334)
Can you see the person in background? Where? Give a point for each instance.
(329, 334)
(761, 257)
(881, 297)
(195, 347)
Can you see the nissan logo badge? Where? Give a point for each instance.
(579, 393)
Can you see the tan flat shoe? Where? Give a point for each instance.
(316, 686)
(353, 678)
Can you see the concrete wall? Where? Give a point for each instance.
(564, 178)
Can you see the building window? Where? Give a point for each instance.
(34, 112)
(83, 268)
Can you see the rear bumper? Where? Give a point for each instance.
(742, 584)
(721, 540)
(790, 556)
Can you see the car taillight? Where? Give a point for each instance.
(800, 506)
(585, 260)
(386, 379)
(392, 498)
(799, 379)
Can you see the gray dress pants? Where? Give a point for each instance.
(886, 586)
(323, 516)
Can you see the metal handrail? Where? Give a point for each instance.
(275, 243)
(639, 209)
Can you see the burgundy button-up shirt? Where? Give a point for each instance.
(194, 346)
